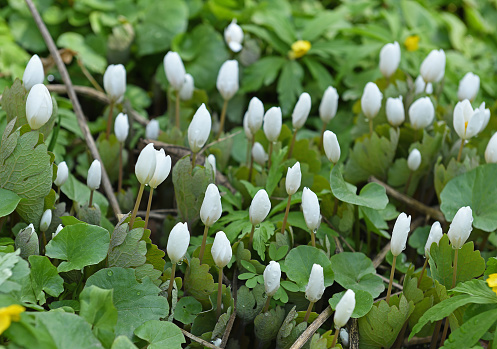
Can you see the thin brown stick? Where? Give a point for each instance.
(308, 312)
(304, 337)
(229, 326)
(266, 306)
(313, 238)
(285, 218)
(370, 127)
(177, 110)
(75, 102)
(202, 247)
(171, 280)
(251, 236)
(392, 273)
(120, 180)
(90, 202)
(89, 76)
(436, 332)
(137, 204)
(335, 337)
(199, 340)
(460, 151)
(222, 119)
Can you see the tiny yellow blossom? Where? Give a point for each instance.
(9, 314)
(492, 282)
(412, 43)
(299, 49)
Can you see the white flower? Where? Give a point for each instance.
(421, 113)
(46, 219)
(344, 337)
(221, 250)
(468, 87)
(467, 122)
(310, 207)
(121, 127)
(491, 150)
(175, 70)
(233, 34)
(146, 163)
(315, 288)
(186, 92)
(293, 179)
(433, 67)
(272, 276)
(331, 146)
(399, 234)
(435, 236)
(227, 79)
(62, 174)
(255, 114)
(344, 309)
(39, 106)
(211, 208)
(152, 130)
(421, 86)
(115, 82)
(395, 111)
(414, 160)
(246, 128)
(259, 154)
(57, 231)
(461, 227)
(199, 129)
(389, 59)
(329, 105)
(301, 111)
(371, 100)
(212, 161)
(272, 124)
(485, 115)
(162, 168)
(34, 73)
(259, 207)
(178, 241)
(94, 175)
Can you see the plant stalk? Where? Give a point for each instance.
(44, 240)
(266, 307)
(392, 272)
(177, 109)
(270, 153)
(313, 238)
(308, 313)
(454, 277)
(137, 204)
(109, 120)
(460, 151)
(251, 161)
(335, 337)
(422, 271)
(283, 227)
(292, 143)
(120, 180)
(219, 292)
(436, 332)
(58, 195)
(222, 119)
(202, 247)
(90, 203)
(148, 207)
(406, 188)
(171, 280)
(251, 236)
(321, 138)
(370, 127)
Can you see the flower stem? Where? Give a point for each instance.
(90, 203)
(422, 272)
(313, 238)
(454, 277)
(251, 236)
(109, 120)
(460, 151)
(406, 188)
(251, 161)
(148, 207)
(171, 280)
(335, 337)
(266, 307)
(44, 240)
(371, 127)
(270, 153)
(392, 272)
(309, 309)
(120, 180)
(137, 204)
(194, 159)
(436, 332)
(223, 117)
(202, 247)
(219, 292)
(321, 138)
(177, 109)
(286, 215)
(292, 143)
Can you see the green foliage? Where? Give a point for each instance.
(186, 310)
(249, 303)
(9, 202)
(363, 299)
(472, 330)
(268, 324)
(289, 331)
(161, 334)
(44, 278)
(198, 281)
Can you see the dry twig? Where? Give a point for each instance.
(307, 334)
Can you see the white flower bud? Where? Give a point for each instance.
(199, 129)
(310, 207)
(39, 106)
(395, 111)
(315, 288)
(461, 227)
(211, 208)
(468, 87)
(145, 165)
(62, 174)
(175, 70)
(421, 113)
(329, 105)
(233, 34)
(255, 114)
(212, 161)
(293, 179)
(331, 146)
(121, 127)
(57, 231)
(421, 86)
(259, 207)
(371, 100)
(399, 234)
(272, 124)
(246, 128)
(46, 219)
(433, 67)
(467, 122)
(485, 115)
(435, 236)
(344, 309)
(301, 111)
(389, 59)
(115, 82)
(227, 79)
(34, 73)
(186, 92)
(221, 250)
(491, 150)
(162, 168)
(272, 276)
(414, 160)
(94, 175)
(152, 130)
(178, 241)
(259, 154)
(344, 337)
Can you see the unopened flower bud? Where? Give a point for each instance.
(152, 130)
(57, 231)
(211, 159)
(146, 164)
(27, 241)
(433, 67)
(175, 70)
(162, 168)
(389, 59)
(199, 129)
(260, 207)
(46, 219)
(259, 154)
(293, 179)
(39, 106)
(34, 73)
(315, 288)
(491, 150)
(227, 79)
(121, 127)
(272, 124)
(246, 128)
(310, 207)
(94, 175)
(178, 241)
(62, 174)
(329, 105)
(331, 146)
(435, 236)
(461, 227)
(371, 100)
(272, 276)
(421, 113)
(221, 250)
(414, 160)
(399, 234)
(255, 114)
(468, 87)
(211, 208)
(233, 34)
(344, 309)
(186, 92)
(115, 82)
(301, 111)
(395, 111)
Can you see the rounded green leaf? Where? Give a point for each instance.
(187, 309)
(363, 302)
(161, 334)
(9, 202)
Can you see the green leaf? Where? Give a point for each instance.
(198, 281)
(472, 189)
(372, 195)
(290, 331)
(79, 245)
(123, 342)
(471, 331)
(76, 42)
(444, 175)
(14, 272)
(363, 302)
(14, 103)
(323, 21)
(299, 262)
(187, 309)
(9, 202)
(476, 288)
(355, 270)
(276, 171)
(98, 309)
(289, 85)
(135, 302)
(274, 19)
(268, 324)
(261, 73)
(126, 249)
(79, 192)
(249, 303)
(470, 263)
(44, 277)
(262, 234)
(161, 334)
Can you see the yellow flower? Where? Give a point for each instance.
(492, 282)
(9, 314)
(299, 49)
(412, 43)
